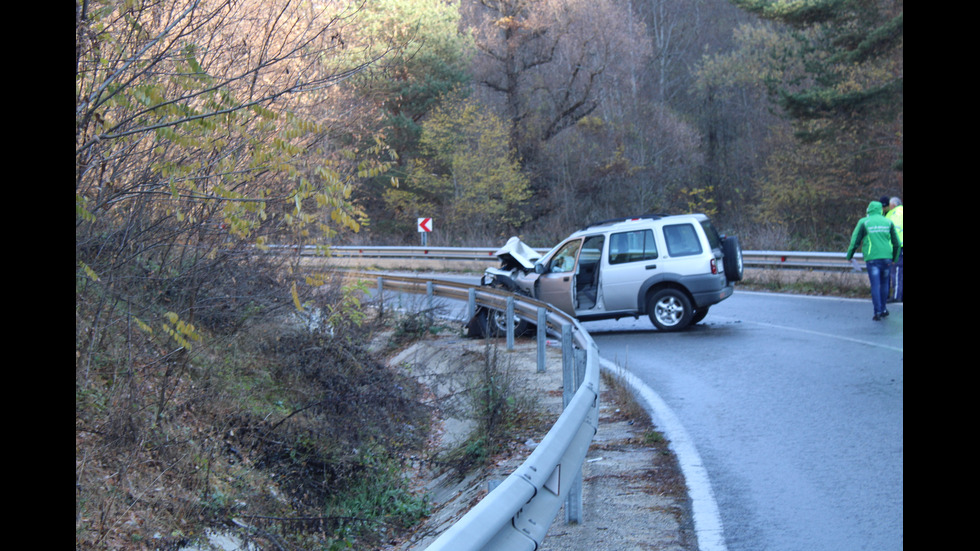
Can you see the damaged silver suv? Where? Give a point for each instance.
(671, 268)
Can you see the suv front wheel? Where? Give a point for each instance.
(497, 324)
(670, 310)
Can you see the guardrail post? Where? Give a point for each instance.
(542, 338)
(471, 304)
(573, 503)
(593, 358)
(428, 296)
(381, 297)
(510, 322)
(571, 379)
(567, 364)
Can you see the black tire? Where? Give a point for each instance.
(496, 323)
(476, 328)
(734, 267)
(699, 315)
(670, 310)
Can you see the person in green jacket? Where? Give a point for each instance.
(880, 246)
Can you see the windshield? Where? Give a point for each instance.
(564, 259)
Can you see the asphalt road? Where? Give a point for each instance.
(795, 407)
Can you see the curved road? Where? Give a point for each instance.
(794, 407)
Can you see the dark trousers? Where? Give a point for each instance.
(897, 272)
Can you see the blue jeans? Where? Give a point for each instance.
(878, 275)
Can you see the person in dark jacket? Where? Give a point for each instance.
(880, 246)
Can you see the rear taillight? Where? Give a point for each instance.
(714, 266)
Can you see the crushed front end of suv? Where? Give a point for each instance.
(672, 268)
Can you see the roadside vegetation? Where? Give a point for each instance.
(500, 408)
(806, 282)
(217, 378)
(287, 425)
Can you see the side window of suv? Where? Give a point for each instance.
(633, 246)
(682, 240)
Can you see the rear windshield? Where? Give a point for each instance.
(714, 239)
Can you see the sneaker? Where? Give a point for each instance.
(877, 317)
(884, 314)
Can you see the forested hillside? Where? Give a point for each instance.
(209, 132)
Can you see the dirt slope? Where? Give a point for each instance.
(634, 496)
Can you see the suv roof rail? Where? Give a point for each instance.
(649, 216)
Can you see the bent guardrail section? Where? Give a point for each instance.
(516, 514)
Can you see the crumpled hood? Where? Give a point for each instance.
(874, 207)
(516, 254)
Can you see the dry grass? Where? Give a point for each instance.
(806, 282)
(665, 476)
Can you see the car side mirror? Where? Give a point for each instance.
(538, 268)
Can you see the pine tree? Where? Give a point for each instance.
(852, 59)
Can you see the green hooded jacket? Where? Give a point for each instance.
(876, 236)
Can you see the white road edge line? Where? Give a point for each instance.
(707, 520)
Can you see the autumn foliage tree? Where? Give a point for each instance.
(833, 72)
(203, 135)
(429, 61)
(470, 176)
(547, 63)
(193, 132)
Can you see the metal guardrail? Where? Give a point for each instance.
(517, 513)
(799, 260)
(825, 261)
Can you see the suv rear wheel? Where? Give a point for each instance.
(670, 310)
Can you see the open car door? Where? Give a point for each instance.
(556, 283)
